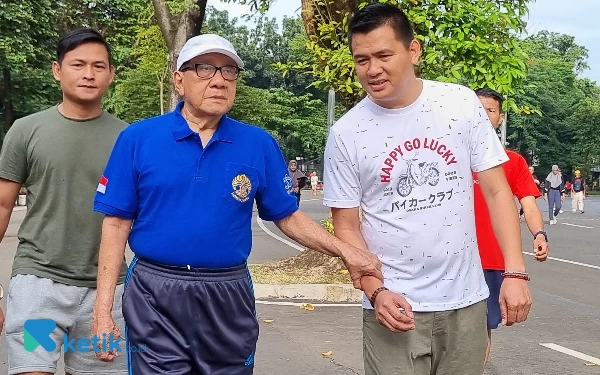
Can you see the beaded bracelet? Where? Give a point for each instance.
(516, 275)
(375, 293)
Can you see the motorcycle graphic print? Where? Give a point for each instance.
(417, 174)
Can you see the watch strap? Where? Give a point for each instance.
(540, 232)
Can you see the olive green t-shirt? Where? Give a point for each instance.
(60, 161)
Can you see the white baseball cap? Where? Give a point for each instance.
(207, 43)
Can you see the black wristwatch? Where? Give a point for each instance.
(541, 232)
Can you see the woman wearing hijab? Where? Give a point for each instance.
(555, 193)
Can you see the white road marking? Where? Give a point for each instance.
(578, 226)
(568, 261)
(262, 226)
(277, 303)
(573, 353)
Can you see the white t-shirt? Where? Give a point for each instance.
(314, 180)
(410, 170)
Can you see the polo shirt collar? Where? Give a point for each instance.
(181, 129)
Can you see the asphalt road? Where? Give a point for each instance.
(565, 314)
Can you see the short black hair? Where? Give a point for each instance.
(376, 15)
(75, 38)
(486, 92)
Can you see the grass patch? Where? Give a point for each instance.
(265, 274)
(308, 267)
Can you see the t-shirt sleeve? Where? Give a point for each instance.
(275, 199)
(485, 147)
(521, 182)
(13, 158)
(340, 177)
(117, 190)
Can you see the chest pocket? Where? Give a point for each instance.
(240, 184)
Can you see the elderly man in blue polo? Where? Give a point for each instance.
(180, 188)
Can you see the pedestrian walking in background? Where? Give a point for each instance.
(554, 193)
(578, 191)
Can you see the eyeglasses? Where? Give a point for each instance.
(207, 71)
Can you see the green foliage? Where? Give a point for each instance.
(566, 132)
(141, 88)
(25, 26)
(260, 6)
(585, 123)
(464, 41)
(299, 123)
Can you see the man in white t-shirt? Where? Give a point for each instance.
(405, 155)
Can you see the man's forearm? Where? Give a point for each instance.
(115, 232)
(5, 214)
(304, 230)
(505, 221)
(534, 219)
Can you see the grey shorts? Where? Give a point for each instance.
(32, 297)
(443, 343)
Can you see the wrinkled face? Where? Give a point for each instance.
(84, 73)
(209, 96)
(384, 65)
(492, 107)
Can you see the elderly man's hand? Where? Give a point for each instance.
(361, 263)
(103, 323)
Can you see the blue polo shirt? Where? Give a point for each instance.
(192, 205)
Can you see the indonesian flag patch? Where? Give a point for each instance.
(102, 185)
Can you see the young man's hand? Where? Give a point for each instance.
(540, 248)
(515, 301)
(387, 311)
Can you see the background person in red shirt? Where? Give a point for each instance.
(524, 188)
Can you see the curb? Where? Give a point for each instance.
(312, 292)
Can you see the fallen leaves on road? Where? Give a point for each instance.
(268, 320)
(307, 306)
(327, 354)
(590, 364)
(344, 272)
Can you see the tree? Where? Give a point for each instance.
(465, 41)
(141, 90)
(552, 86)
(29, 32)
(179, 20)
(263, 47)
(299, 123)
(585, 124)
(25, 37)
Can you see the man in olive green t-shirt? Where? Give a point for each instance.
(59, 156)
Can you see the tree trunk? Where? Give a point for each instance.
(315, 12)
(176, 30)
(9, 112)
